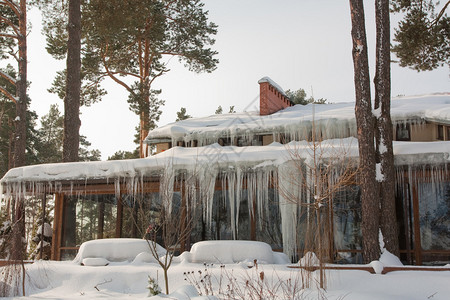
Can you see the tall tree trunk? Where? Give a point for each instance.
(21, 91)
(20, 142)
(385, 155)
(365, 124)
(71, 141)
(145, 115)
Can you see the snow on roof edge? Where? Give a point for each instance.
(215, 156)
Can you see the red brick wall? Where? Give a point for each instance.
(270, 99)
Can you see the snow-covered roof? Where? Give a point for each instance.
(221, 158)
(334, 120)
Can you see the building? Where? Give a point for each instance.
(249, 176)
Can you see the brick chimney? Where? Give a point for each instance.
(271, 97)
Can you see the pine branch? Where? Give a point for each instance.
(8, 94)
(7, 77)
(10, 24)
(113, 77)
(9, 36)
(441, 13)
(11, 5)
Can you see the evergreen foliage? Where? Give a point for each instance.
(422, 39)
(8, 123)
(91, 92)
(300, 97)
(40, 238)
(219, 110)
(181, 115)
(5, 234)
(13, 45)
(55, 19)
(143, 100)
(119, 155)
(51, 139)
(7, 45)
(132, 39)
(153, 287)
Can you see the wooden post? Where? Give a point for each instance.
(57, 226)
(183, 219)
(41, 242)
(101, 219)
(119, 219)
(135, 213)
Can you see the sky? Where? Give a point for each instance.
(299, 44)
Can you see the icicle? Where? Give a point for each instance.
(231, 181)
(288, 196)
(117, 187)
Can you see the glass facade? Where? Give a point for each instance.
(88, 217)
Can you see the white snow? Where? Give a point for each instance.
(272, 83)
(333, 120)
(47, 230)
(379, 175)
(271, 155)
(124, 280)
(95, 261)
(227, 252)
(114, 250)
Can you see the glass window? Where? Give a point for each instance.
(434, 214)
(347, 224)
(440, 132)
(403, 132)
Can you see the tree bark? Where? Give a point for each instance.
(365, 125)
(385, 154)
(72, 123)
(21, 92)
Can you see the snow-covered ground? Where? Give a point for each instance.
(128, 278)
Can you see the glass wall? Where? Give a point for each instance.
(434, 219)
(347, 225)
(87, 217)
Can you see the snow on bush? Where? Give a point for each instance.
(47, 230)
(115, 250)
(227, 252)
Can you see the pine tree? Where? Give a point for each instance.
(300, 97)
(119, 155)
(7, 117)
(136, 43)
(50, 146)
(219, 110)
(13, 44)
(72, 122)
(422, 39)
(181, 115)
(41, 231)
